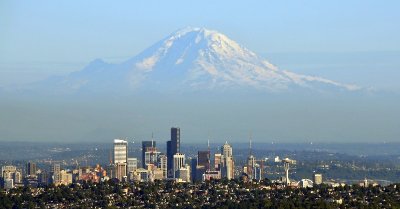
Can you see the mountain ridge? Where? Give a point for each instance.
(190, 59)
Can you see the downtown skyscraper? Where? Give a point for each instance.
(227, 168)
(120, 158)
(120, 151)
(147, 146)
(173, 147)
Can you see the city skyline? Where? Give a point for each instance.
(203, 104)
(235, 174)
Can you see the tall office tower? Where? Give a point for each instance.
(184, 173)
(257, 172)
(227, 161)
(120, 151)
(251, 162)
(132, 164)
(203, 164)
(151, 157)
(203, 159)
(162, 164)
(170, 160)
(56, 170)
(179, 162)
(173, 147)
(43, 178)
(31, 169)
(229, 168)
(286, 166)
(120, 171)
(226, 150)
(146, 146)
(200, 171)
(193, 165)
(111, 171)
(317, 178)
(176, 140)
(217, 161)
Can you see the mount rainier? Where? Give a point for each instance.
(191, 59)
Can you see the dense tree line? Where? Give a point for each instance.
(210, 194)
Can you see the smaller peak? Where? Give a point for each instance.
(97, 62)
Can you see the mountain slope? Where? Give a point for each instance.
(190, 59)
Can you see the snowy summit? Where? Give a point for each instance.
(192, 59)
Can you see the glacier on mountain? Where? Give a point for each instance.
(193, 59)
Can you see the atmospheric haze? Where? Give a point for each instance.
(209, 85)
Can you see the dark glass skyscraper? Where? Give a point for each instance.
(169, 160)
(173, 147)
(176, 140)
(203, 159)
(31, 169)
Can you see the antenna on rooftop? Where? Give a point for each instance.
(250, 139)
(209, 153)
(152, 139)
(110, 157)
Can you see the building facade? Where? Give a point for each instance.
(145, 147)
(179, 162)
(120, 151)
(31, 169)
(317, 178)
(228, 165)
(132, 164)
(173, 147)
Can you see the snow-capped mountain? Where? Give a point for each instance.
(190, 59)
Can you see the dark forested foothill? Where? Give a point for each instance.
(210, 194)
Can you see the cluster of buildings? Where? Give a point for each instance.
(154, 165)
(12, 177)
(172, 165)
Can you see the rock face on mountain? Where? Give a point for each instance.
(191, 59)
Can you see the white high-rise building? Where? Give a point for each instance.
(217, 161)
(228, 164)
(184, 173)
(120, 171)
(132, 164)
(179, 162)
(56, 170)
(227, 150)
(162, 164)
(151, 156)
(120, 151)
(229, 167)
(251, 162)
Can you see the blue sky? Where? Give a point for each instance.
(42, 38)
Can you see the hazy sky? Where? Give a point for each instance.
(346, 41)
(42, 38)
